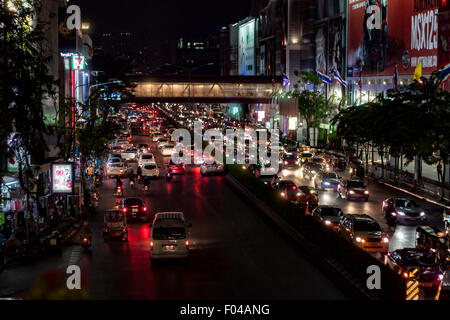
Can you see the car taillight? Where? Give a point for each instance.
(85, 240)
(121, 170)
(187, 243)
(151, 244)
(124, 209)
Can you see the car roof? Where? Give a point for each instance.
(169, 216)
(361, 217)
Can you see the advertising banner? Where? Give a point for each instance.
(383, 33)
(62, 178)
(247, 49)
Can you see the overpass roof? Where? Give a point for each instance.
(205, 79)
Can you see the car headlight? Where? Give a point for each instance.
(282, 194)
(422, 214)
(441, 276)
(366, 192)
(326, 183)
(327, 222)
(358, 239)
(352, 192)
(285, 162)
(299, 194)
(385, 239)
(313, 172)
(400, 213)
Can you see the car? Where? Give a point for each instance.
(212, 169)
(143, 148)
(310, 169)
(288, 190)
(134, 208)
(353, 189)
(331, 216)
(319, 159)
(150, 169)
(402, 211)
(406, 261)
(365, 232)
(146, 158)
(123, 144)
(168, 150)
(176, 168)
(444, 287)
(119, 169)
(293, 149)
(326, 181)
(290, 160)
(169, 237)
(305, 156)
(112, 161)
(157, 136)
(129, 155)
(116, 149)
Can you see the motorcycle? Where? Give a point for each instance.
(132, 184)
(146, 189)
(53, 242)
(118, 192)
(169, 176)
(85, 243)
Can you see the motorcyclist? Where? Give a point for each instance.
(118, 182)
(86, 231)
(146, 181)
(139, 172)
(131, 177)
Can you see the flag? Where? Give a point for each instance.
(418, 72)
(395, 79)
(339, 79)
(323, 77)
(443, 73)
(286, 81)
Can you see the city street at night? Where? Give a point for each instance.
(224, 159)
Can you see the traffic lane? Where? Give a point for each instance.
(401, 237)
(234, 252)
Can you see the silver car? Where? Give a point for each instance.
(118, 169)
(211, 169)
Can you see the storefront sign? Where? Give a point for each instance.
(383, 34)
(292, 124)
(78, 62)
(62, 178)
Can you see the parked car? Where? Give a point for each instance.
(326, 180)
(365, 232)
(405, 261)
(402, 211)
(331, 216)
(353, 189)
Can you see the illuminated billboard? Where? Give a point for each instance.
(78, 62)
(383, 33)
(62, 177)
(247, 49)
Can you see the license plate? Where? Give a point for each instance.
(427, 284)
(53, 242)
(134, 210)
(169, 248)
(116, 234)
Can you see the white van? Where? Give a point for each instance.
(170, 236)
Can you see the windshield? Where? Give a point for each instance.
(150, 167)
(117, 165)
(115, 217)
(330, 175)
(290, 157)
(147, 157)
(169, 233)
(331, 212)
(355, 184)
(367, 226)
(133, 202)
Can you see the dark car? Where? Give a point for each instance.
(405, 261)
(290, 160)
(310, 169)
(331, 216)
(134, 208)
(402, 211)
(309, 195)
(288, 190)
(353, 189)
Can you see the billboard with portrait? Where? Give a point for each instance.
(62, 178)
(383, 33)
(247, 48)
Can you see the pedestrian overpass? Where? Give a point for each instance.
(205, 89)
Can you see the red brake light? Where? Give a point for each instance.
(151, 244)
(144, 208)
(187, 243)
(85, 239)
(293, 188)
(124, 209)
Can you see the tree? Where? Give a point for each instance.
(312, 104)
(24, 84)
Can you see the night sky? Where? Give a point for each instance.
(165, 19)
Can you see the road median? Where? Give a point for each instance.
(342, 259)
